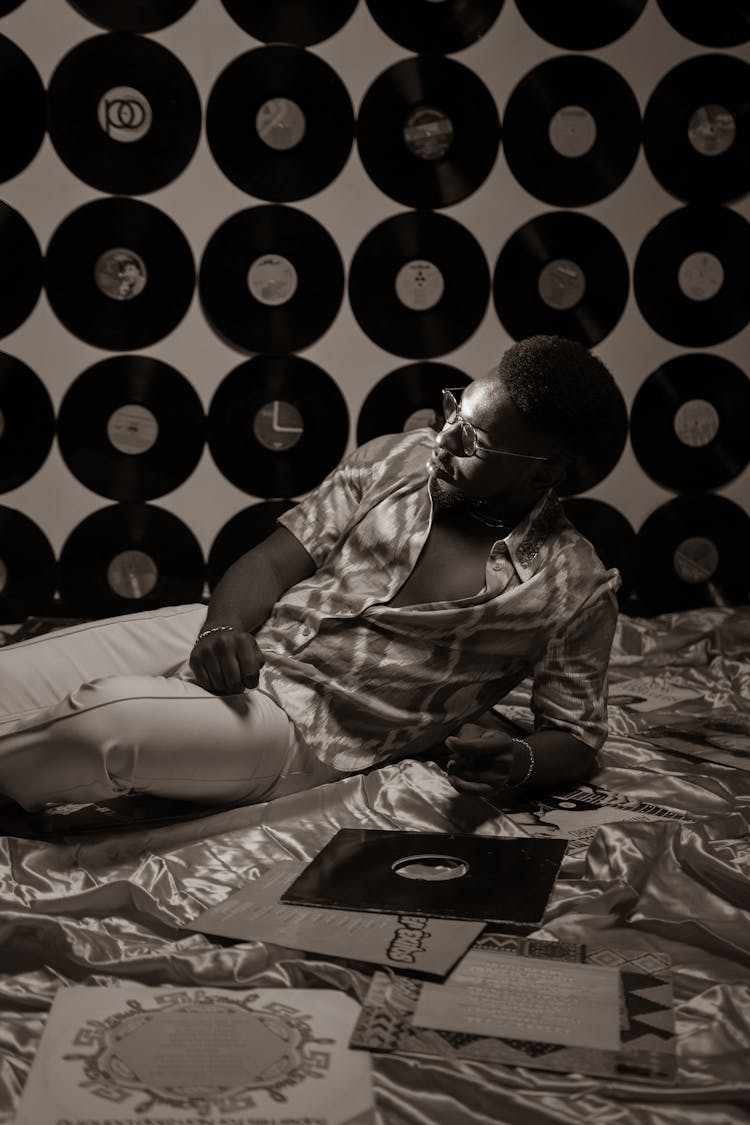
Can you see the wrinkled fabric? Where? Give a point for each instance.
(103, 907)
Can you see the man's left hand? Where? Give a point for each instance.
(481, 760)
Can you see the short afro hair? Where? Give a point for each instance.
(570, 396)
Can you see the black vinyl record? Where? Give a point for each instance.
(407, 399)
(581, 25)
(133, 15)
(280, 123)
(692, 552)
(572, 130)
(419, 284)
(697, 129)
(28, 571)
(561, 274)
(690, 275)
(277, 425)
(27, 423)
(609, 533)
(129, 557)
(443, 875)
(303, 22)
(241, 533)
(7, 6)
(131, 428)
(439, 28)
(690, 423)
(20, 269)
(721, 23)
(124, 114)
(428, 132)
(119, 273)
(271, 280)
(22, 95)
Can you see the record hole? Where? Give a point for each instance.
(696, 559)
(272, 279)
(280, 124)
(120, 274)
(278, 425)
(419, 285)
(696, 422)
(430, 868)
(712, 130)
(572, 131)
(700, 276)
(132, 429)
(561, 284)
(124, 114)
(132, 574)
(428, 133)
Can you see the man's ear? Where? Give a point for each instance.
(549, 474)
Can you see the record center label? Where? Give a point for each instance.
(272, 279)
(124, 114)
(712, 130)
(120, 274)
(3, 576)
(419, 285)
(561, 284)
(700, 276)
(132, 574)
(431, 867)
(696, 422)
(132, 429)
(428, 133)
(280, 124)
(572, 131)
(696, 559)
(278, 426)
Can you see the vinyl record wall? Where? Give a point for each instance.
(270, 232)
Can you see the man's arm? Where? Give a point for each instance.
(488, 761)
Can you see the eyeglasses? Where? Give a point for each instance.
(469, 439)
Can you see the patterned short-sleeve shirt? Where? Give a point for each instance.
(365, 682)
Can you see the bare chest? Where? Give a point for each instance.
(451, 566)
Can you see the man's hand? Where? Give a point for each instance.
(227, 662)
(481, 760)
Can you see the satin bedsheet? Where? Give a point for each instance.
(103, 908)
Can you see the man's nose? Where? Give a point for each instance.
(450, 438)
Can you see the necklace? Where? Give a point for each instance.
(487, 520)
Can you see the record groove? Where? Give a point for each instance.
(22, 94)
(280, 123)
(572, 131)
(722, 23)
(406, 399)
(124, 113)
(27, 423)
(28, 571)
(277, 425)
(245, 530)
(20, 269)
(133, 15)
(131, 428)
(690, 421)
(561, 274)
(302, 22)
(697, 129)
(690, 275)
(419, 284)
(271, 280)
(119, 273)
(581, 25)
(609, 533)
(129, 557)
(428, 132)
(426, 27)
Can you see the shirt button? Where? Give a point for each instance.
(497, 566)
(306, 632)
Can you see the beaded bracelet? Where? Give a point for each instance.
(530, 770)
(215, 629)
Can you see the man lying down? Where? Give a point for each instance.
(392, 607)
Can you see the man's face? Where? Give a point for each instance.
(455, 478)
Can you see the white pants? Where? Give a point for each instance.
(109, 707)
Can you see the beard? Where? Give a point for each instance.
(444, 497)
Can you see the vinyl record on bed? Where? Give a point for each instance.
(129, 557)
(428, 131)
(131, 428)
(690, 275)
(581, 25)
(119, 273)
(409, 398)
(419, 284)
(280, 123)
(277, 425)
(690, 422)
(609, 533)
(722, 23)
(20, 269)
(572, 130)
(692, 552)
(561, 274)
(697, 129)
(427, 27)
(28, 571)
(271, 280)
(133, 15)
(124, 113)
(22, 95)
(303, 22)
(27, 423)
(241, 533)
